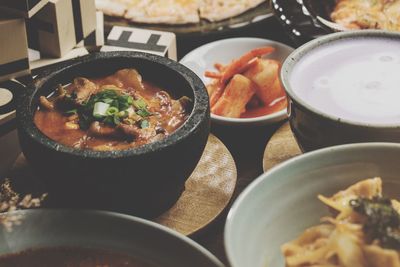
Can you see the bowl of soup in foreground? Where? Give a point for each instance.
(268, 217)
(119, 131)
(94, 238)
(343, 88)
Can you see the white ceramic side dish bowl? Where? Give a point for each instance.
(224, 51)
(278, 206)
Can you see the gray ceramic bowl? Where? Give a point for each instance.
(142, 181)
(315, 129)
(283, 202)
(108, 231)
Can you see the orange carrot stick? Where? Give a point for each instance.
(249, 65)
(214, 75)
(236, 65)
(219, 66)
(217, 93)
(219, 90)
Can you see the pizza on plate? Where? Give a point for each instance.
(175, 11)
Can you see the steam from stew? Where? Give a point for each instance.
(117, 112)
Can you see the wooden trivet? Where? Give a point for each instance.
(281, 147)
(207, 191)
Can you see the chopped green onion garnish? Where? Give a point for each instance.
(112, 111)
(108, 100)
(130, 100)
(139, 104)
(108, 106)
(100, 109)
(71, 111)
(143, 112)
(109, 120)
(144, 124)
(117, 120)
(123, 114)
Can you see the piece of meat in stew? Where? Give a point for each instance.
(116, 112)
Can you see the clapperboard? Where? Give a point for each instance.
(96, 38)
(39, 63)
(60, 25)
(14, 48)
(25, 8)
(134, 39)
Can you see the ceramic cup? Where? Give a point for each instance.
(313, 127)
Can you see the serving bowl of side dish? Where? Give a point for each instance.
(342, 88)
(119, 131)
(354, 14)
(282, 203)
(242, 77)
(95, 238)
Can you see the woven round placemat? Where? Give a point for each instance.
(281, 147)
(207, 191)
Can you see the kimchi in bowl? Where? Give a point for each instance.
(223, 52)
(143, 179)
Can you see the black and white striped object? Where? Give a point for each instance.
(38, 63)
(60, 25)
(24, 8)
(96, 38)
(134, 39)
(14, 49)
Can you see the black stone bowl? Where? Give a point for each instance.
(322, 9)
(143, 181)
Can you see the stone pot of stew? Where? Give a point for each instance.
(118, 131)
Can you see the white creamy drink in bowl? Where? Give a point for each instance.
(356, 80)
(344, 88)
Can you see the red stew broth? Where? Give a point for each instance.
(52, 122)
(71, 257)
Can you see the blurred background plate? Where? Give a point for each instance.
(257, 22)
(299, 23)
(253, 15)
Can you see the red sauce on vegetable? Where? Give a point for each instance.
(277, 105)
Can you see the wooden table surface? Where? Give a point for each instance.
(247, 147)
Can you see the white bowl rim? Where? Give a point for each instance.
(273, 117)
(289, 64)
(270, 173)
